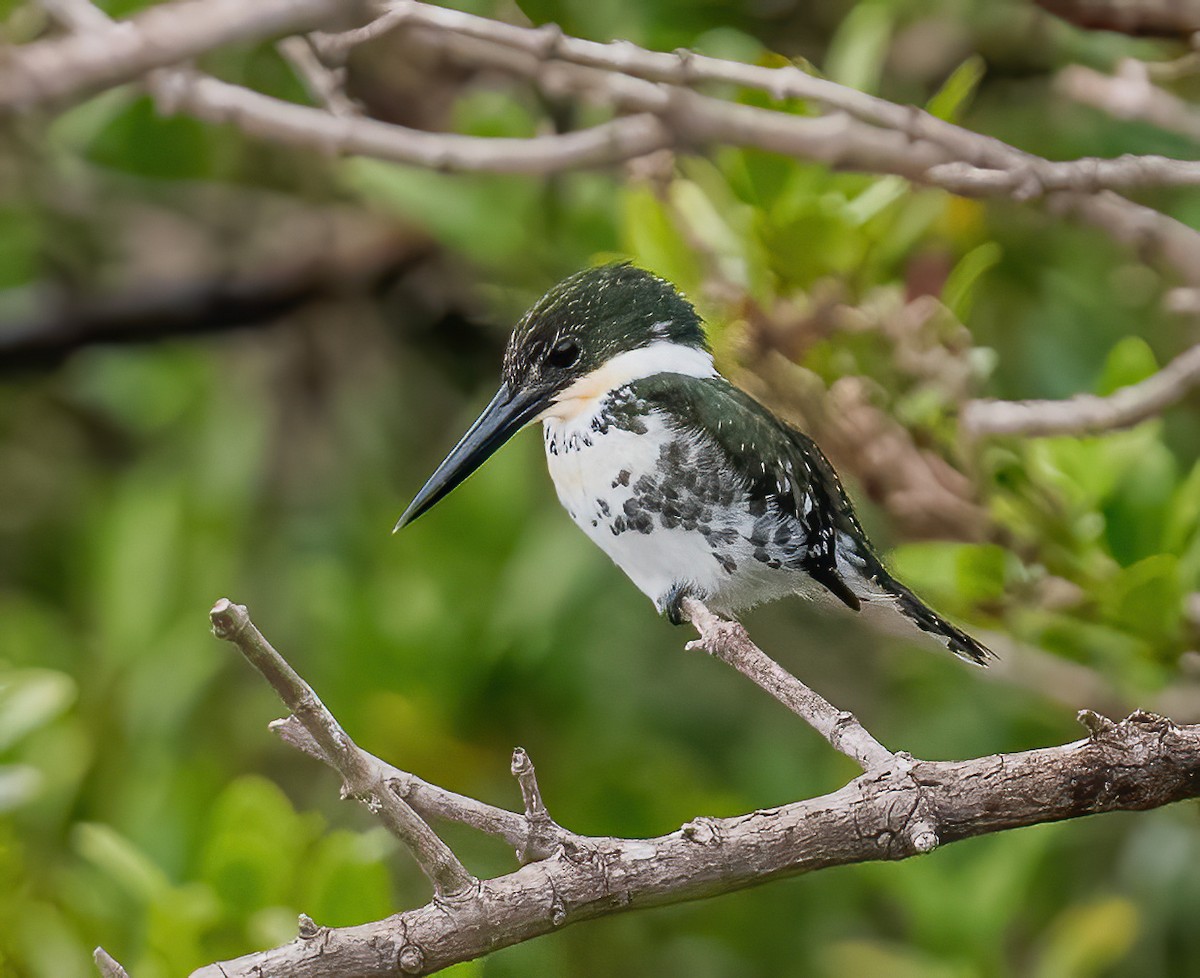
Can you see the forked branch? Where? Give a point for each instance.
(900, 807)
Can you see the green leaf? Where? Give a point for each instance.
(138, 140)
(859, 48)
(1086, 940)
(488, 218)
(651, 237)
(1146, 598)
(19, 783)
(256, 844)
(951, 100)
(29, 699)
(1130, 361)
(121, 861)
(959, 290)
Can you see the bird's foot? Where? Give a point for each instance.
(673, 604)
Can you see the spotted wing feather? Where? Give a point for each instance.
(786, 474)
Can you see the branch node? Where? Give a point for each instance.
(549, 37)
(307, 928)
(1098, 726)
(558, 912)
(228, 619)
(411, 960)
(703, 831)
(1153, 720)
(924, 837)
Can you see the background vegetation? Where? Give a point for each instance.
(143, 803)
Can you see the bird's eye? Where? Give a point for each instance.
(564, 354)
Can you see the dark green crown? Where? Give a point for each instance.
(601, 312)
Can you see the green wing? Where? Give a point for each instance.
(782, 467)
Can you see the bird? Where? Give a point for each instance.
(690, 485)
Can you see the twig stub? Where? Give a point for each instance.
(107, 965)
(361, 772)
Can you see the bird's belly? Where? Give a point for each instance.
(665, 526)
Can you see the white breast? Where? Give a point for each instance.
(594, 474)
(596, 467)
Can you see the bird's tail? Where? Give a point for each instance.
(920, 614)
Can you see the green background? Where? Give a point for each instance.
(143, 803)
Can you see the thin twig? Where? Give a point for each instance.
(1087, 413)
(231, 623)
(729, 642)
(326, 86)
(543, 830)
(427, 800)
(265, 117)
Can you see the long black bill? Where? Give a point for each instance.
(504, 417)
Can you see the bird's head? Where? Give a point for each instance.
(594, 331)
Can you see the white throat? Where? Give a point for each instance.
(662, 357)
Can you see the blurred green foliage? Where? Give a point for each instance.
(143, 804)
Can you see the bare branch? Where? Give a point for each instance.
(182, 89)
(1182, 302)
(1087, 175)
(532, 52)
(1142, 762)
(326, 86)
(1130, 94)
(297, 125)
(1087, 413)
(865, 133)
(427, 800)
(728, 641)
(1157, 18)
(231, 623)
(58, 69)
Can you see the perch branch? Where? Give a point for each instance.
(729, 642)
(363, 780)
(1087, 413)
(893, 811)
(1142, 762)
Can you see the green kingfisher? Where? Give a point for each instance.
(691, 486)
